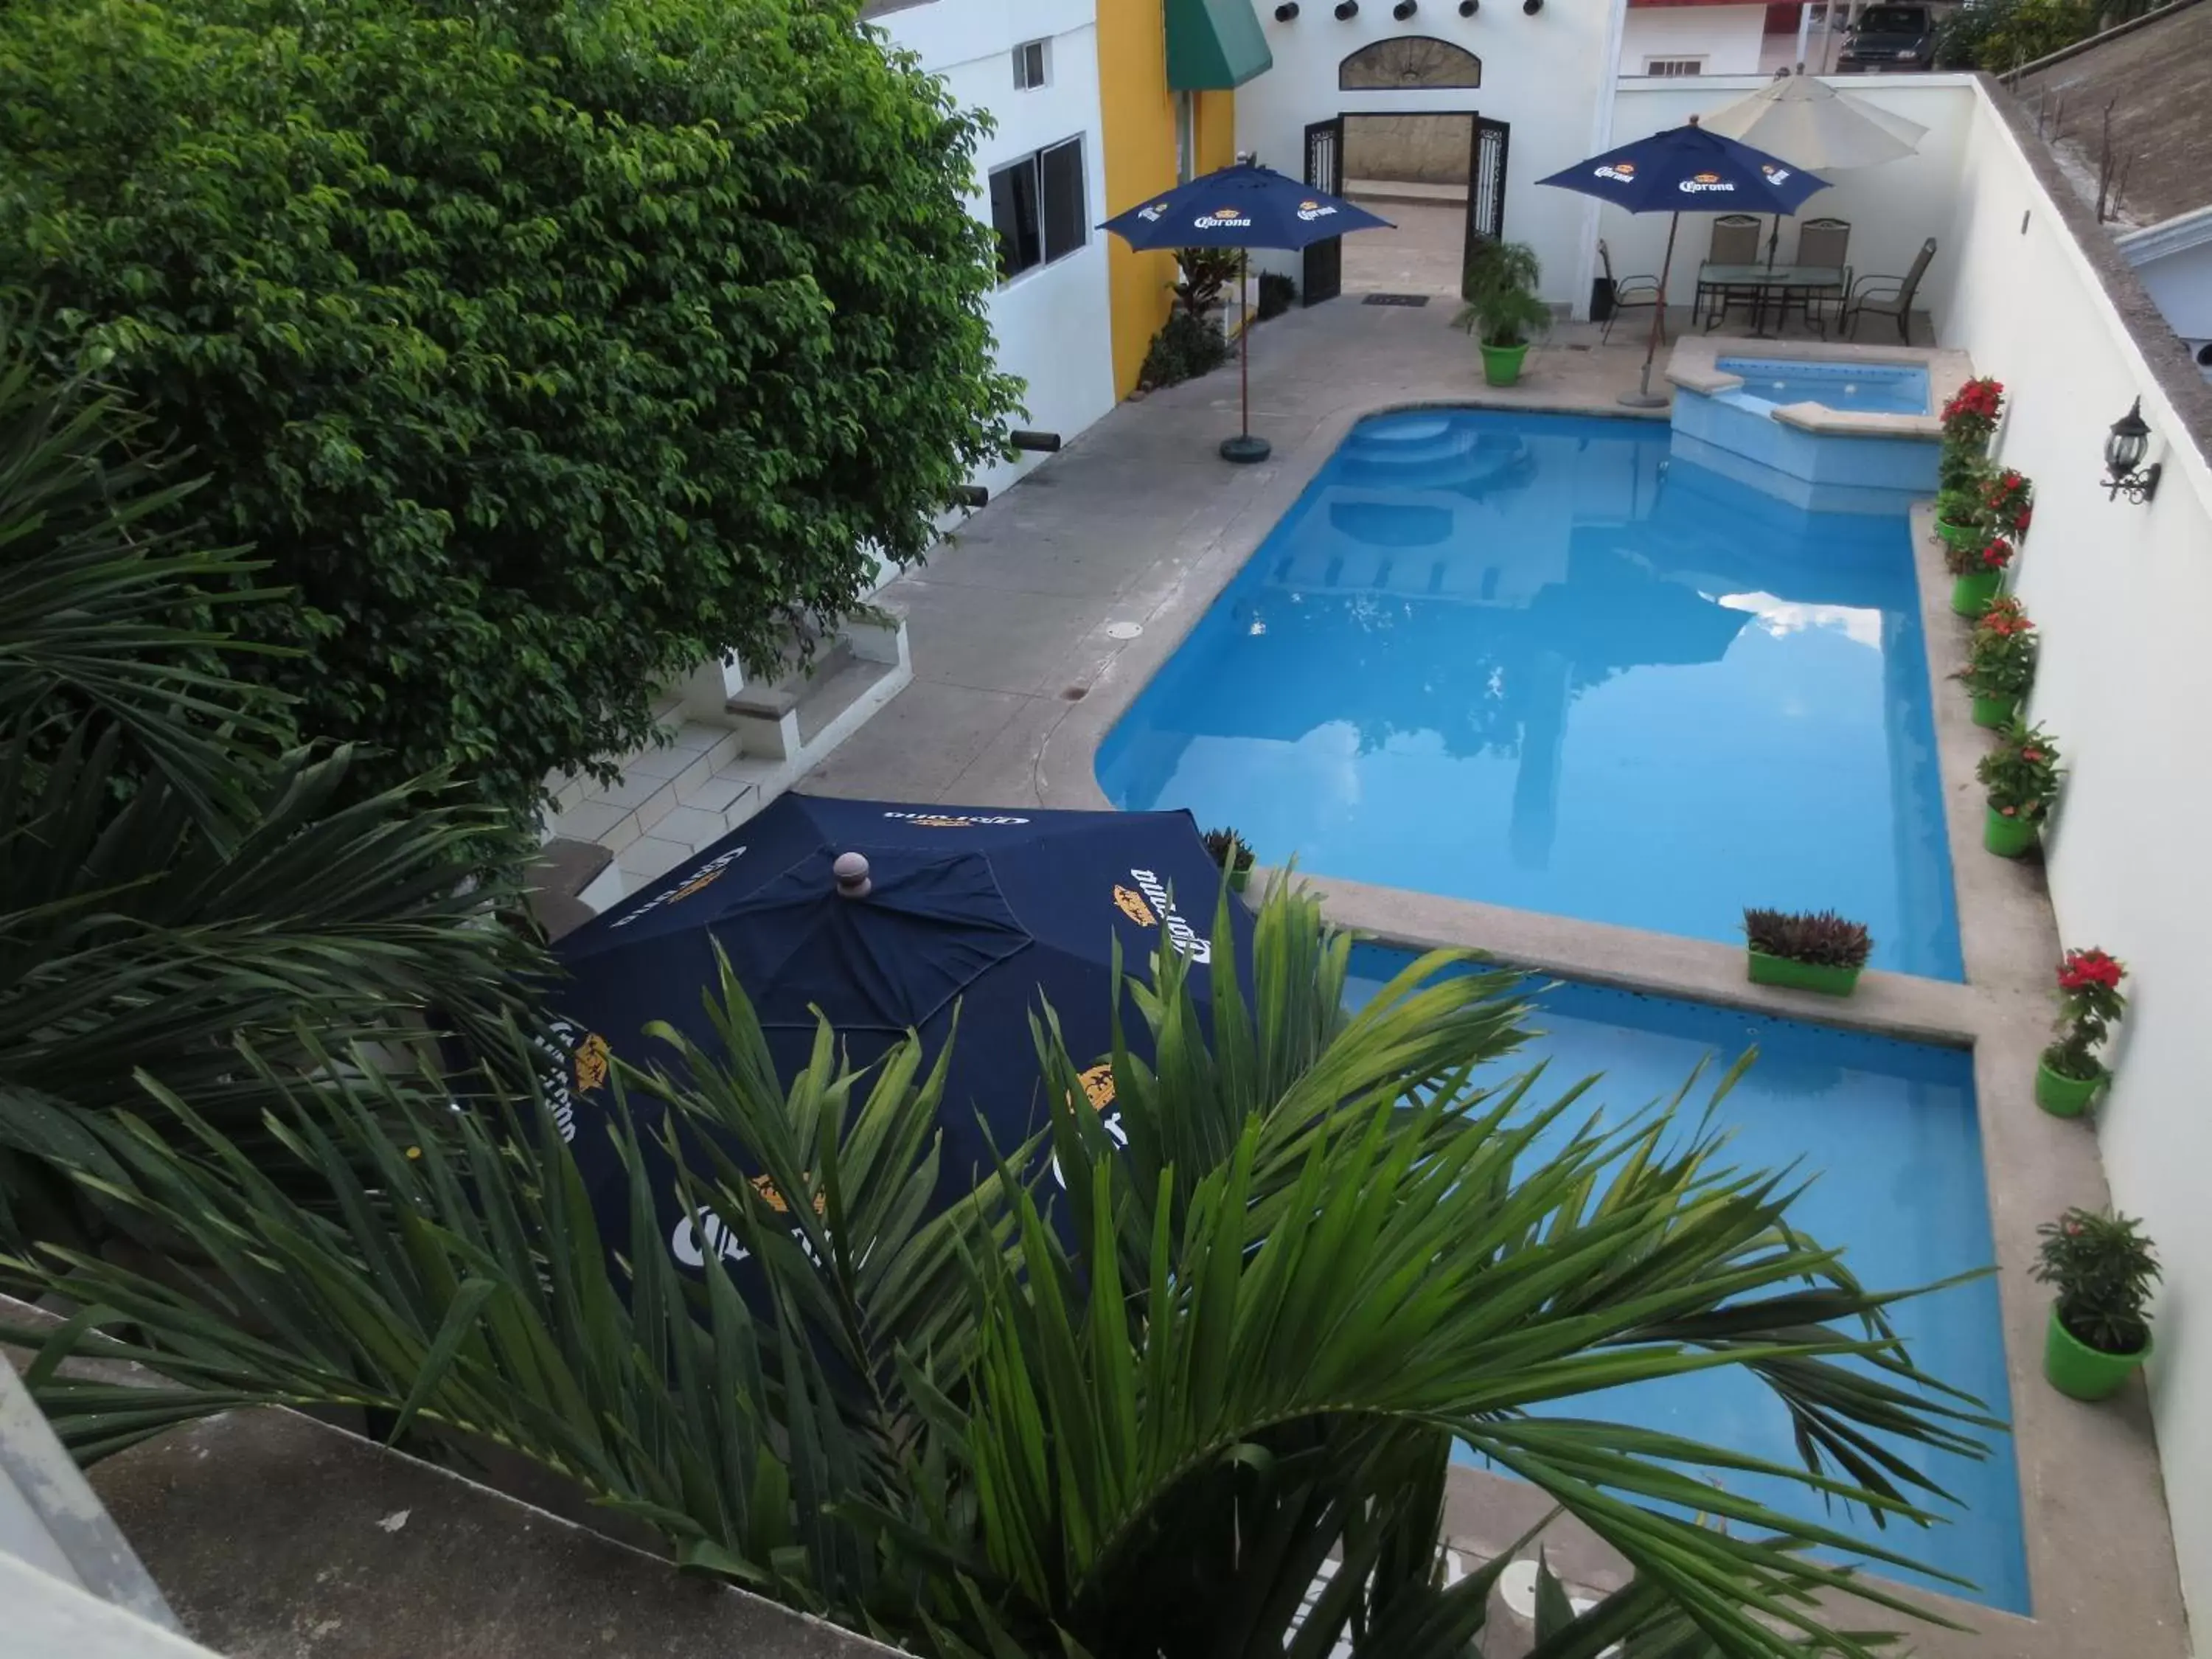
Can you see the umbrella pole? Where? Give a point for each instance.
(1643, 396)
(1244, 448)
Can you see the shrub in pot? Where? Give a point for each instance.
(1502, 310)
(1976, 572)
(2103, 1269)
(2009, 500)
(1963, 518)
(1970, 416)
(2069, 1073)
(1229, 851)
(2022, 776)
(1806, 949)
(2000, 663)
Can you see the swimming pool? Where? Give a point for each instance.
(1536, 660)
(1861, 388)
(1889, 1130)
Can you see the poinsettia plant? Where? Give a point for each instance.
(1970, 416)
(1995, 554)
(2009, 498)
(2089, 1000)
(2021, 773)
(2000, 658)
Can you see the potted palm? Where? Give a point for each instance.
(2000, 663)
(1235, 858)
(1976, 571)
(1806, 949)
(2022, 776)
(2103, 1269)
(2069, 1073)
(1502, 310)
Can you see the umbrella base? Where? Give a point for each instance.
(1244, 449)
(1642, 400)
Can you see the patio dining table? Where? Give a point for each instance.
(1768, 283)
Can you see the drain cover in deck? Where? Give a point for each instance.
(1396, 300)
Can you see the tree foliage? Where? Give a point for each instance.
(1137, 1426)
(543, 348)
(176, 876)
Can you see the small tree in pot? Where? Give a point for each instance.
(1806, 950)
(2000, 663)
(1502, 310)
(2021, 775)
(2103, 1269)
(2069, 1073)
(1235, 858)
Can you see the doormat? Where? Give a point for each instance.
(1396, 300)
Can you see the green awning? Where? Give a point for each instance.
(1214, 43)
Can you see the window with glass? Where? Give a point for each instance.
(1039, 206)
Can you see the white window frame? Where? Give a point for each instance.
(1032, 65)
(1674, 65)
(1035, 161)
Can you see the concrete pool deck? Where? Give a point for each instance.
(1035, 628)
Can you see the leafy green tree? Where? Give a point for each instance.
(1324, 1255)
(544, 349)
(1999, 35)
(176, 876)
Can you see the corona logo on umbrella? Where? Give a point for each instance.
(1309, 210)
(1153, 214)
(1227, 218)
(1704, 182)
(1624, 171)
(1775, 175)
(1150, 906)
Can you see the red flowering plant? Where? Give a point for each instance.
(1995, 554)
(2089, 1000)
(1971, 415)
(2021, 773)
(2010, 499)
(2000, 659)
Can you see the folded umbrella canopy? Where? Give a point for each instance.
(1243, 207)
(1686, 170)
(983, 910)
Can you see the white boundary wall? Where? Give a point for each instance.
(1728, 38)
(1050, 321)
(2122, 594)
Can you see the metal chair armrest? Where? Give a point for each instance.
(1894, 285)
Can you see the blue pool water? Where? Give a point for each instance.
(1888, 1129)
(1867, 388)
(1535, 661)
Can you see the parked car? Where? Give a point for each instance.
(1890, 37)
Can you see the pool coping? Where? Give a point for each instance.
(1692, 366)
(2101, 1569)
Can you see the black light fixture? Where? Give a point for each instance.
(2124, 472)
(1468, 8)
(1347, 10)
(1287, 11)
(1405, 8)
(1532, 7)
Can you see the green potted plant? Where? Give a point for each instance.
(1806, 949)
(1976, 572)
(1229, 851)
(1963, 518)
(1502, 310)
(2009, 498)
(2103, 1269)
(2070, 1075)
(2021, 775)
(1970, 416)
(2000, 663)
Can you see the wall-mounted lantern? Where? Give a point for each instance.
(1347, 10)
(1287, 12)
(1468, 8)
(1532, 7)
(1405, 10)
(2124, 472)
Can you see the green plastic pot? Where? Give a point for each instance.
(2065, 1097)
(1501, 365)
(2008, 838)
(1971, 594)
(1962, 535)
(1827, 980)
(1240, 879)
(1993, 712)
(2075, 1369)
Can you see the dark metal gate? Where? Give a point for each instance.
(1485, 184)
(1323, 278)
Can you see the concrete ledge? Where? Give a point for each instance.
(1694, 365)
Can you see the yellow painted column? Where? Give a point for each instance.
(1217, 130)
(1136, 120)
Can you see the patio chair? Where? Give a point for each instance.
(1822, 242)
(1629, 293)
(1735, 242)
(1888, 296)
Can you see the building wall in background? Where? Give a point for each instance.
(1542, 75)
(1047, 320)
(1421, 149)
(1892, 209)
(1728, 38)
(2121, 593)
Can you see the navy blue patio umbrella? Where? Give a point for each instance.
(1245, 206)
(1687, 169)
(886, 918)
